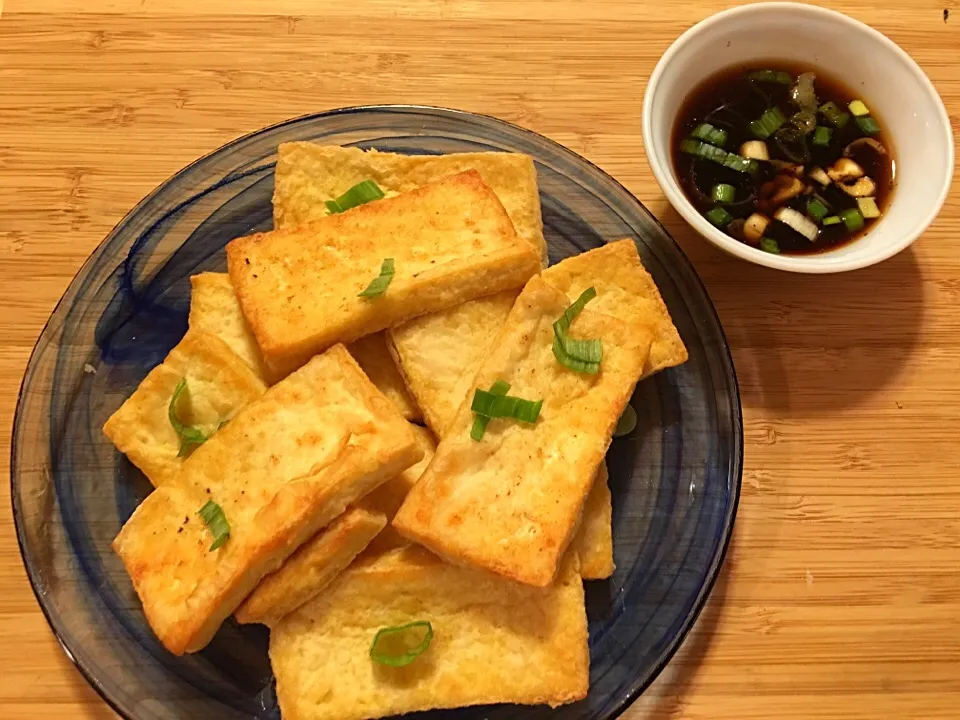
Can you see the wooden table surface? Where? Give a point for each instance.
(841, 593)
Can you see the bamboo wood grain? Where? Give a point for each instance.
(841, 594)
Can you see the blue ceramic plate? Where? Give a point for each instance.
(675, 480)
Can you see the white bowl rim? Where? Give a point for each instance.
(809, 263)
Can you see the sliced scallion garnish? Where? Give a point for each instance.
(493, 405)
(627, 422)
(768, 123)
(867, 125)
(822, 136)
(480, 422)
(582, 356)
(213, 515)
(858, 108)
(817, 210)
(831, 220)
(401, 645)
(777, 76)
(868, 208)
(709, 133)
(379, 284)
(718, 217)
(718, 155)
(723, 193)
(834, 115)
(189, 436)
(770, 245)
(852, 218)
(359, 194)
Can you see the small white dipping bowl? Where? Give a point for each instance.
(892, 84)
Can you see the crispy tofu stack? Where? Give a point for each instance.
(512, 503)
(287, 465)
(451, 242)
(495, 641)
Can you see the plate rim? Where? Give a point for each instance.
(640, 685)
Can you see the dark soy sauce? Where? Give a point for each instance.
(729, 101)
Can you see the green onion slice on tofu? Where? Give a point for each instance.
(401, 645)
(359, 194)
(627, 422)
(480, 422)
(493, 405)
(583, 356)
(212, 514)
(189, 436)
(379, 284)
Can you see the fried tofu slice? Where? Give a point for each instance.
(214, 309)
(439, 354)
(318, 561)
(451, 242)
(374, 358)
(626, 291)
(512, 502)
(219, 384)
(309, 174)
(284, 467)
(594, 540)
(312, 567)
(494, 641)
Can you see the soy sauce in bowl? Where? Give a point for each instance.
(784, 158)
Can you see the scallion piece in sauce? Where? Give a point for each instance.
(212, 514)
(723, 193)
(822, 136)
(777, 76)
(379, 284)
(189, 436)
(858, 108)
(718, 217)
(834, 115)
(817, 210)
(770, 245)
(359, 194)
(768, 123)
(480, 422)
(709, 133)
(867, 125)
(401, 645)
(831, 220)
(852, 218)
(718, 155)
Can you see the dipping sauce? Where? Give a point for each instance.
(783, 157)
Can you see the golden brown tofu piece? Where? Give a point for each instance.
(512, 501)
(374, 358)
(494, 641)
(626, 291)
(219, 383)
(318, 561)
(594, 540)
(284, 467)
(451, 242)
(214, 309)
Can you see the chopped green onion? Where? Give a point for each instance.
(480, 422)
(212, 515)
(379, 284)
(492, 405)
(723, 193)
(817, 210)
(579, 355)
(777, 76)
(822, 136)
(189, 436)
(709, 133)
(867, 125)
(399, 646)
(868, 208)
(718, 155)
(768, 123)
(858, 108)
(770, 245)
(852, 218)
(359, 194)
(718, 217)
(627, 422)
(580, 366)
(834, 115)
(831, 220)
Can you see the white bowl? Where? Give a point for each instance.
(893, 86)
